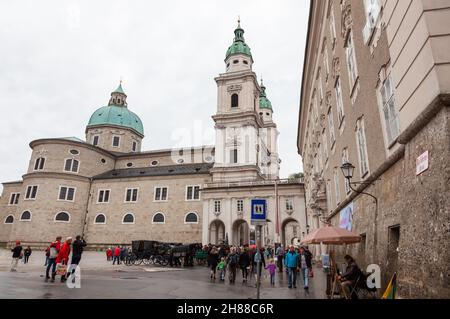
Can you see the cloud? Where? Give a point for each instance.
(61, 60)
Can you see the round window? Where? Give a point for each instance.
(180, 161)
(208, 159)
(74, 152)
(235, 61)
(154, 163)
(129, 164)
(103, 160)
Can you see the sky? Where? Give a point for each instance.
(60, 60)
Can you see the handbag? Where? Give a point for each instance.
(61, 269)
(311, 273)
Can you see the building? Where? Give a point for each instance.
(109, 190)
(375, 93)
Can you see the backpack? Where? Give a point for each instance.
(53, 252)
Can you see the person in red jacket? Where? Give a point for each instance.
(117, 251)
(63, 255)
(109, 254)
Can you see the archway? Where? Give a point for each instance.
(241, 233)
(290, 229)
(216, 232)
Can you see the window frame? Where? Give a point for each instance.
(193, 199)
(103, 190)
(16, 196)
(161, 192)
(131, 201)
(234, 102)
(219, 202)
(112, 141)
(238, 202)
(67, 193)
(42, 161)
(128, 223)
(62, 221)
(10, 215)
(71, 166)
(339, 102)
(390, 137)
(26, 220)
(158, 223)
(97, 223)
(186, 215)
(360, 127)
(31, 192)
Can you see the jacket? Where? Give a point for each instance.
(77, 247)
(308, 258)
(351, 272)
(117, 252)
(244, 260)
(291, 259)
(63, 255)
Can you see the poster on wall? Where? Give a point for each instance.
(346, 217)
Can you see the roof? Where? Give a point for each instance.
(239, 46)
(187, 169)
(264, 102)
(73, 138)
(119, 89)
(116, 115)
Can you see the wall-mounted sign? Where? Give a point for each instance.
(346, 217)
(422, 163)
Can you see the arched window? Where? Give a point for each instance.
(26, 216)
(100, 219)
(234, 100)
(71, 165)
(191, 218)
(9, 219)
(128, 219)
(159, 218)
(62, 217)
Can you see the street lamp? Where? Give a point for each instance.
(347, 170)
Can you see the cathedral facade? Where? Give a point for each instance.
(110, 191)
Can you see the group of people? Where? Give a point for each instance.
(118, 254)
(57, 253)
(224, 259)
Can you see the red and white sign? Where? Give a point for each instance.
(422, 163)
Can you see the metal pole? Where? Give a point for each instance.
(258, 264)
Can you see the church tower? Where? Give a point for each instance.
(241, 152)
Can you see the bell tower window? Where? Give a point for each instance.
(235, 100)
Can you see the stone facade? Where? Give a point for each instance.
(111, 192)
(390, 61)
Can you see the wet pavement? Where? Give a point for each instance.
(100, 279)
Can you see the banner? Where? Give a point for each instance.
(346, 217)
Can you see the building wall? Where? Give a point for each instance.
(6, 209)
(106, 134)
(174, 209)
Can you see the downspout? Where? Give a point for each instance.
(87, 208)
(277, 222)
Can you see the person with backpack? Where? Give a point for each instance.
(53, 249)
(17, 254)
(232, 261)
(244, 263)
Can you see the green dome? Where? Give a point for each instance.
(116, 115)
(239, 46)
(264, 102)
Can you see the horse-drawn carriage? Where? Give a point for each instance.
(153, 252)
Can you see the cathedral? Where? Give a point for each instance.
(107, 189)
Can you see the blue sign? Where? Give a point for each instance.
(259, 210)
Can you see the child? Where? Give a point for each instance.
(221, 268)
(272, 268)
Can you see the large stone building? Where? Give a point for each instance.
(375, 93)
(110, 191)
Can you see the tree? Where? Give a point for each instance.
(296, 176)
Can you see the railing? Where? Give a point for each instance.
(254, 183)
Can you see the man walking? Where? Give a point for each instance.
(17, 254)
(280, 256)
(291, 263)
(53, 253)
(77, 250)
(116, 255)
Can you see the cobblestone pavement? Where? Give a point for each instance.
(100, 279)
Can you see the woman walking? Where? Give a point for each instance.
(213, 260)
(244, 263)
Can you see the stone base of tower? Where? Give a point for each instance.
(236, 174)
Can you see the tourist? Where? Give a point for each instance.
(305, 265)
(116, 255)
(63, 256)
(258, 256)
(244, 263)
(221, 267)
(17, 254)
(109, 254)
(271, 267)
(280, 257)
(213, 259)
(47, 254)
(53, 251)
(350, 276)
(123, 253)
(77, 250)
(26, 254)
(232, 261)
(291, 263)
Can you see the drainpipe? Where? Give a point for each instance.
(277, 212)
(87, 208)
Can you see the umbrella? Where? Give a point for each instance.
(331, 236)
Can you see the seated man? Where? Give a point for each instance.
(350, 276)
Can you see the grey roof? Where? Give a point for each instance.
(182, 169)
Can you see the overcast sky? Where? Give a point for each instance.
(59, 61)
